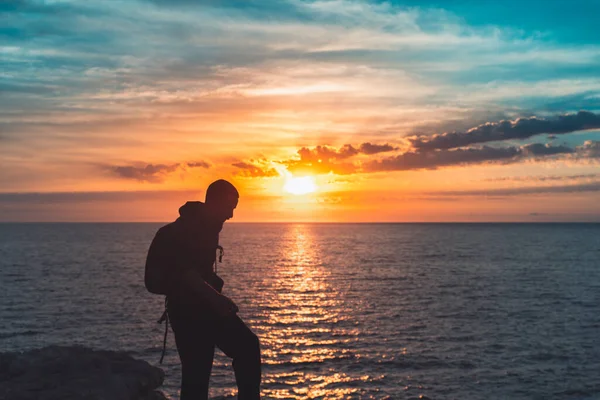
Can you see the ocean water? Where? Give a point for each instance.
(396, 311)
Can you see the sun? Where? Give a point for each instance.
(300, 185)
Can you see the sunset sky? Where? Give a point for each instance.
(387, 111)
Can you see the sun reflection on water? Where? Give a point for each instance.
(299, 326)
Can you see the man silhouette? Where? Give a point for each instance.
(200, 315)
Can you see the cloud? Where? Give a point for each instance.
(326, 153)
(452, 149)
(153, 173)
(521, 128)
(368, 148)
(325, 159)
(542, 178)
(590, 149)
(514, 191)
(148, 173)
(540, 150)
(254, 171)
(45, 198)
(463, 156)
(157, 205)
(198, 164)
(433, 159)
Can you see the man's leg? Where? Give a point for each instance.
(238, 342)
(196, 351)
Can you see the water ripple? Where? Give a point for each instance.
(343, 311)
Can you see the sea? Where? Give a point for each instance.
(342, 311)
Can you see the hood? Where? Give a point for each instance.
(193, 215)
(192, 211)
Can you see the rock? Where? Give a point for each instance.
(64, 373)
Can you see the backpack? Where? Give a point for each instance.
(156, 275)
(157, 270)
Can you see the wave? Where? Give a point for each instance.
(9, 335)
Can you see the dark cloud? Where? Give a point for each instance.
(324, 159)
(330, 154)
(543, 178)
(254, 171)
(451, 149)
(434, 159)
(148, 173)
(198, 164)
(463, 156)
(153, 172)
(590, 149)
(41, 198)
(513, 191)
(522, 128)
(326, 153)
(539, 149)
(368, 148)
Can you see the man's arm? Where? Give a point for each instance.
(222, 305)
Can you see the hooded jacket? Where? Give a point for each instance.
(190, 242)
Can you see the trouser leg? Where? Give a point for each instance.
(196, 352)
(238, 342)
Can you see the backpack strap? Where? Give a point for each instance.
(220, 258)
(164, 318)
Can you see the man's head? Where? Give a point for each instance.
(221, 199)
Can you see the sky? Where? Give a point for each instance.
(414, 111)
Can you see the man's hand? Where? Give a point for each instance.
(224, 306)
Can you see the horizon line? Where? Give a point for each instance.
(314, 222)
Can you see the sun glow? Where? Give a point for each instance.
(300, 185)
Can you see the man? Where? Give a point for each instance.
(201, 316)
